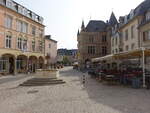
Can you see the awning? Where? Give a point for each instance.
(138, 53)
(132, 54)
(99, 59)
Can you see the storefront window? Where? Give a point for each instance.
(19, 64)
(3, 65)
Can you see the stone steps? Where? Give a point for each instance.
(42, 82)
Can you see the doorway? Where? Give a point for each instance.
(11, 65)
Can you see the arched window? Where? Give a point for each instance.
(8, 40)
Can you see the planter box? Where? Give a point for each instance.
(48, 73)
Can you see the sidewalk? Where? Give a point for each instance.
(11, 78)
(73, 97)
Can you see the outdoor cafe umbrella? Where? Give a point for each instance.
(139, 53)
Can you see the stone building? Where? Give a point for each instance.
(144, 26)
(144, 29)
(70, 54)
(50, 50)
(21, 39)
(132, 31)
(94, 40)
(116, 40)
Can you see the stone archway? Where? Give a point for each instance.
(41, 62)
(21, 64)
(11, 62)
(32, 64)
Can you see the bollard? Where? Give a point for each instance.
(83, 79)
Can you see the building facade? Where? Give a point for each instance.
(94, 40)
(132, 31)
(69, 54)
(144, 29)
(50, 50)
(116, 40)
(21, 39)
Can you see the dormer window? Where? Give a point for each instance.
(36, 18)
(3, 2)
(148, 15)
(40, 19)
(29, 14)
(20, 9)
(131, 13)
(15, 7)
(9, 3)
(125, 19)
(33, 16)
(25, 12)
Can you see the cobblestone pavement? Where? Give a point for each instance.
(10, 78)
(73, 97)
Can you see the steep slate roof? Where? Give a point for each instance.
(113, 21)
(96, 26)
(142, 8)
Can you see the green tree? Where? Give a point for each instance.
(66, 60)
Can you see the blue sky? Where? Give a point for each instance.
(63, 17)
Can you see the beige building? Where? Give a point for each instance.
(129, 32)
(21, 39)
(67, 56)
(116, 40)
(144, 28)
(132, 32)
(50, 50)
(125, 35)
(94, 40)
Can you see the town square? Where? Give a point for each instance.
(74, 56)
(72, 97)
